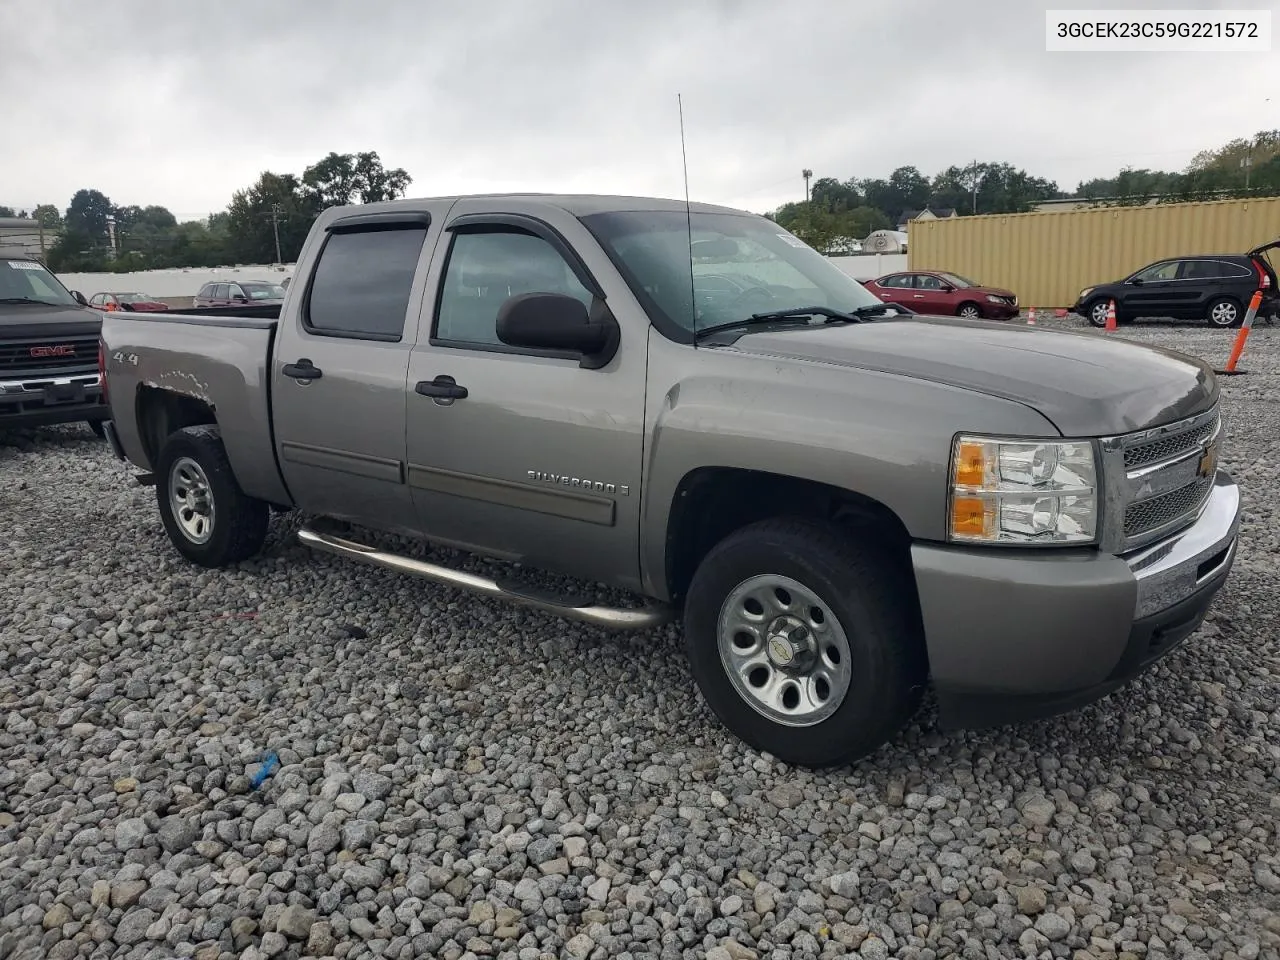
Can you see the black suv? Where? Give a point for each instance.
(1213, 287)
(232, 292)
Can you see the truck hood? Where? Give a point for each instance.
(22, 320)
(1086, 384)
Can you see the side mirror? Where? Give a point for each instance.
(1137, 281)
(948, 288)
(553, 321)
(80, 299)
(240, 298)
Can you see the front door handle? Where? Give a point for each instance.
(304, 369)
(442, 388)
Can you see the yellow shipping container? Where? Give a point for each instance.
(1047, 258)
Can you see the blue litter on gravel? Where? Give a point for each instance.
(269, 763)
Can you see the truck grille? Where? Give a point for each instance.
(1158, 511)
(1170, 446)
(1163, 486)
(47, 355)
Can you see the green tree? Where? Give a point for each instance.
(48, 216)
(344, 178)
(909, 187)
(832, 195)
(276, 201)
(88, 214)
(7, 212)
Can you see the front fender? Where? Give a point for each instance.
(884, 436)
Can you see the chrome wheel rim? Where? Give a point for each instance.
(191, 500)
(968, 311)
(1100, 314)
(784, 650)
(1223, 314)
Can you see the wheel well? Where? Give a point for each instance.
(161, 412)
(968, 303)
(712, 502)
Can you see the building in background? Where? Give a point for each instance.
(25, 236)
(942, 213)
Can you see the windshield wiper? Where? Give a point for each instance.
(795, 313)
(874, 309)
(46, 303)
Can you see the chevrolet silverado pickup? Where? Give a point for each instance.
(843, 501)
(48, 350)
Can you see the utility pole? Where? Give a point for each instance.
(806, 173)
(275, 228)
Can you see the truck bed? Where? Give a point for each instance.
(223, 361)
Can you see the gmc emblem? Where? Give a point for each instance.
(61, 350)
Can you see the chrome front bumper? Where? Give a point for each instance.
(1018, 634)
(1173, 569)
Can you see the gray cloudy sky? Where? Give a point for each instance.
(181, 102)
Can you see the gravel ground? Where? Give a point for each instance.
(457, 778)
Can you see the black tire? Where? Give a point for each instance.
(1225, 313)
(237, 527)
(1096, 312)
(98, 429)
(872, 598)
(970, 309)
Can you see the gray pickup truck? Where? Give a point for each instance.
(842, 500)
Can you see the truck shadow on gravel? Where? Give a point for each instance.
(1148, 727)
(34, 439)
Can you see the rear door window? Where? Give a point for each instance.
(363, 281)
(1199, 270)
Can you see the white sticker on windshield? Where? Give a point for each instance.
(23, 265)
(794, 241)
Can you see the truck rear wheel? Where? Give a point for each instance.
(209, 519)
(805, 643)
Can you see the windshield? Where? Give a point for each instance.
(958, 281)
(133, 298)
(28, 280)
(742, 264)
(263, 291)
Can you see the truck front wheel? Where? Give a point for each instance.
(209, 519)
(805, 642)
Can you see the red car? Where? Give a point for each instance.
(138, 302)
(947, 294)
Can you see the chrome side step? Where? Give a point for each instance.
(573, 608)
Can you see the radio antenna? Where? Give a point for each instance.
(688, 214)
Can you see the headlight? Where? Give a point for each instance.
(1084, 293)
(994, 299)
(1022, 491)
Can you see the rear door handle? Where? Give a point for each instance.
(302, 370)
(442, 388)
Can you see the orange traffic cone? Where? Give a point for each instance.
(1031, 317)
(1111, 314)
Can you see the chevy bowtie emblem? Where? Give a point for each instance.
(1208, 462)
